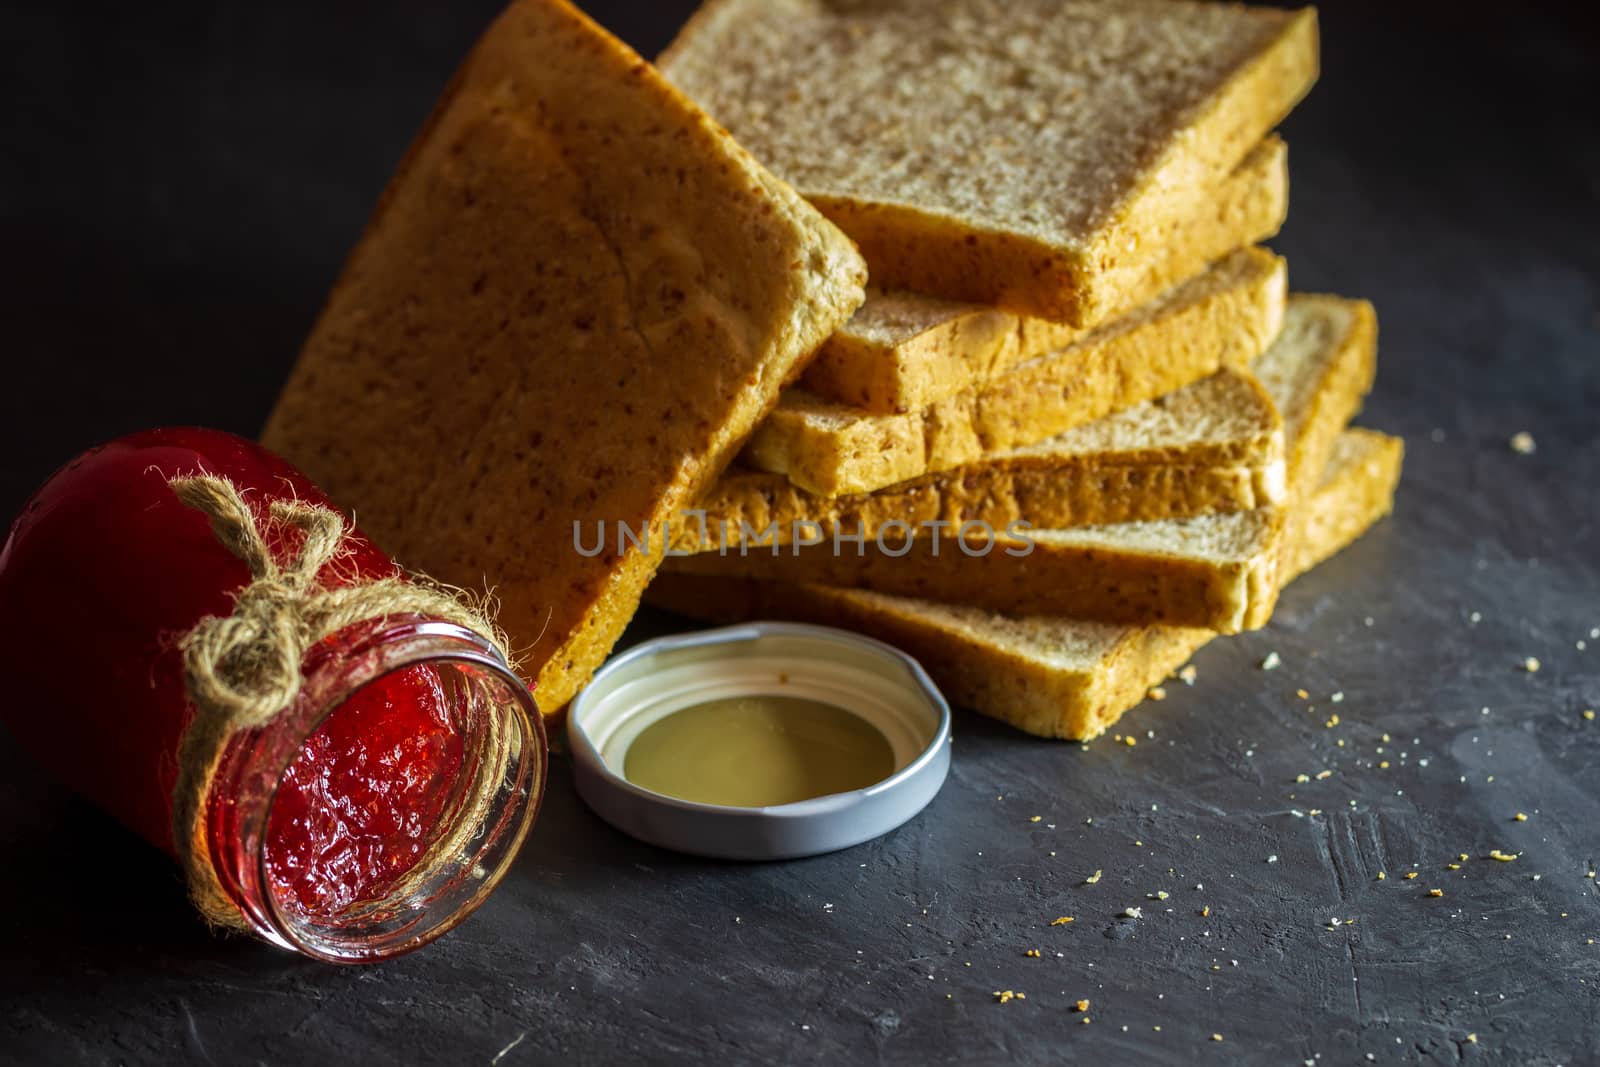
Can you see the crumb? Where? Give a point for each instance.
(1205, 912)
(1520, 817)
(1188, 674)
(1503, 857)
(1382, 876)
(1410, 875)
(1036, 818)
(1323, 775)
(1272, 859)
(1005, 996)
(1082, 1005)
(1132, 913)
(1472, 1039)
(1032, 953)
(1333, 720)
(1302, 778)
(1093, 878)
(1302, 694)
(1156, 693)
(1337, 698)
(1522, 442)
(1531, 664)
(1064, 920)
(1272, 662)
(1130, 740)
(1216, 1037)
(1588, 714)
(1453, 866)
(1084, 1020)
(1436, 892)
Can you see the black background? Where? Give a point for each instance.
(180, 182)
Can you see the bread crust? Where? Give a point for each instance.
(1194, 330)
(1109, 472)
(904, 351)
(1093, 577)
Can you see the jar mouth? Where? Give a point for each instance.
(457, 842)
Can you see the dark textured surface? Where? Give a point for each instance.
(179, 185)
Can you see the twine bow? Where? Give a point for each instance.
(243, 670)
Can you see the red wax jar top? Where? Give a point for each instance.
(409, 766)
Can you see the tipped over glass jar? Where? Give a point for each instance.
(340, 755)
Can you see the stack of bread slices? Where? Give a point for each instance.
(1080, 426)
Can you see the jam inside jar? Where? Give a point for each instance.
(368, 817)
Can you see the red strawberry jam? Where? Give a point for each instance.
(358, 806)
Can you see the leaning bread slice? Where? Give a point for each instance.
(1020, 153)
(574, 301)
(1218, 571)
(1224, 318)
(1054, 677)
(903, 351)
(1214, 446)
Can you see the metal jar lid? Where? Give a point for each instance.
(879, 683)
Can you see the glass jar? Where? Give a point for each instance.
(365, 819)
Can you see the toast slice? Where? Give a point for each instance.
(903, 351)
(1224, 318)
(567, 225)
(1054, 677)
(924, 127)
(1214, 446)
(1219, 571)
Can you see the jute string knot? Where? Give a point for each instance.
(244, 670)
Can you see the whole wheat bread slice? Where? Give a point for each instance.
(573, 302)
(1224, 318)
(903, 351)
(1027, 154)
(1054, 677)
(1218, 571)
(1213, 446)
